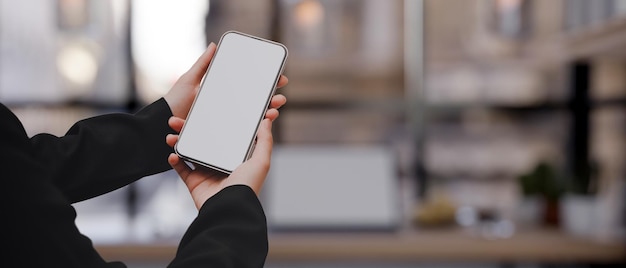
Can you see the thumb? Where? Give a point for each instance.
(196, 72)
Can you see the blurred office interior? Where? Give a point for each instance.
(417, 133)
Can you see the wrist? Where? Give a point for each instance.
(172, 103)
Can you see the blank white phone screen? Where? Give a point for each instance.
(233, 98)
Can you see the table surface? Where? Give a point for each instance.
(548, 246)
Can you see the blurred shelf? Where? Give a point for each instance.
(605, 40)
(387, 104)
(547, 106)
(544, 246)
(503, 107)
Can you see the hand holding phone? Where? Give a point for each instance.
(203, 183)
(222, 124)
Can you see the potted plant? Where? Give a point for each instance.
(542, 188)
(579, 203)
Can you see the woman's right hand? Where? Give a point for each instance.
(203, 183)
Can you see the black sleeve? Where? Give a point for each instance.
(38, 221)
(230, 231)
(103, 153)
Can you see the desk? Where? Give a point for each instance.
(541, 246)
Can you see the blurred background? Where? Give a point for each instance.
(418, 133)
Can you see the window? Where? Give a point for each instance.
(511, 17)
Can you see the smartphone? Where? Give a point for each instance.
(221, 127)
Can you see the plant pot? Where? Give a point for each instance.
(551, 212)
(579, 214)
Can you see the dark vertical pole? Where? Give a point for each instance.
(420, 172)
(579, 165)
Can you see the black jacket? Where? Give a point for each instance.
(42, 176)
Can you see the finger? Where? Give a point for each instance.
(278, 101)
(176, 123)
(171, 140)
(263, 149)
(197, 70)
(179, 166)
(282, 81)
(272, 114)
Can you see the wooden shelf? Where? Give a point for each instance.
(544, 246)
